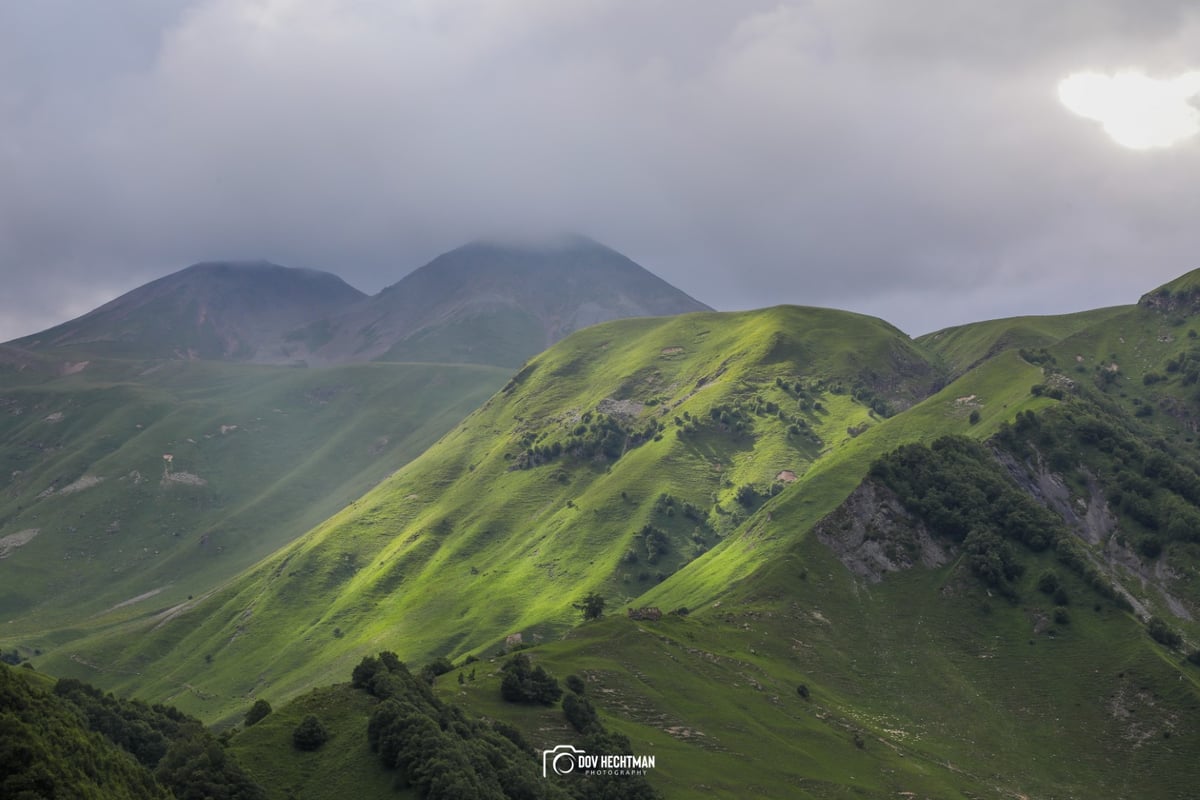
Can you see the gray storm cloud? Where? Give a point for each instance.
(907, 160)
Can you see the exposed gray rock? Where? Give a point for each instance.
(872, 534)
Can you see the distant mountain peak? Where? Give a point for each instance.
(499, 300)
(237, 310)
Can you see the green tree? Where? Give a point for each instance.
(525, 683)
(1048, 582)
(580, 712)
(592, 606)
(1163, 634)
(199, 769)
(257, 712)
(309, 734)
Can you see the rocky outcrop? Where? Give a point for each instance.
(872, 534)
(1091, 519)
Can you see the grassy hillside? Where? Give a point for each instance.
(130, 488)
(490, 533)
(950, 692)
(965, 346)
(344, 761)
(825, 633)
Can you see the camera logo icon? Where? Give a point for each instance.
(562, 760)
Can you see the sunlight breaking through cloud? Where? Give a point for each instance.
(1137, 111)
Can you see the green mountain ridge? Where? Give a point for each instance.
(962, 566)
(388, 556)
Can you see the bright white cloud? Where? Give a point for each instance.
(1137, 111)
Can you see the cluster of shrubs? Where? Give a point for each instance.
(600, 437)
(1038, 356)
(738, 419)
(961, 493)
(731, 418)
(525, 683)
(442, 753)
(677, 525)
(582, 716)
(1155, 486)
(1043, 390)
(1186, 365)
(438, 750)
(77, 741)
(665, 505)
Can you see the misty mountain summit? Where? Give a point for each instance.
(230, 310)
(487, 302)
(493, 302)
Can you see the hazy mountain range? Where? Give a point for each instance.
(483, 303)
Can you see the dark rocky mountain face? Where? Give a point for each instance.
(217, 310)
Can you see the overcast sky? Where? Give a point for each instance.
(905, 159)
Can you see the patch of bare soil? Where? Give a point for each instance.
(1138, 713)
(132, 600)
(15, 540)
(184, 479)
(86, 482)
(620, 408)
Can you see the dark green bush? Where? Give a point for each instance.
(1163, 634)
(310, 734)
(580, 713)
(257, 712)
(525, 683)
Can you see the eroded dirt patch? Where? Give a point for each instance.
(184, 479)
(86, 482)
(132, 600)
(14, 540)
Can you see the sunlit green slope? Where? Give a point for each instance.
(491, 533)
